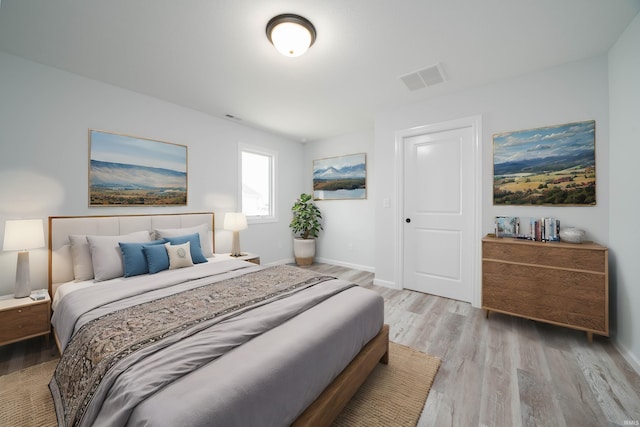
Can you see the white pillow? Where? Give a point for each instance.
(62, 265)
(106, 256)
(179, 255)
(81, 257)
(202, 230)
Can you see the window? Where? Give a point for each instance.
(257, 179)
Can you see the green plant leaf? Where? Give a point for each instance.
(306, 221)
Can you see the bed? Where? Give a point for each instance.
(216, 341)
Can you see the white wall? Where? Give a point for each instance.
(347, 238)
(569, 93)
(624, 95)
(45, 115)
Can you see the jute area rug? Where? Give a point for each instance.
(393, 395)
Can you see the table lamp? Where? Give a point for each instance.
(235, 221)
(22, 235)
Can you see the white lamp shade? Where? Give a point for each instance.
(23, 234)
(291, 39)
(235, 221)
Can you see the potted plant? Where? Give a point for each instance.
(306, 226)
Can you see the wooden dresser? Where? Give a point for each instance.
(559, 283)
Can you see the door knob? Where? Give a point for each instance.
(408, 220)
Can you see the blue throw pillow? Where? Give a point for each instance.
(135, 262)
(157, 257)
(196, 250)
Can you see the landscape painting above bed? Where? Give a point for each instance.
(553, 165)
(131, 171)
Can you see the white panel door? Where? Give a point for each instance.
(439, 213)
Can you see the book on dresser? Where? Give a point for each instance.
(528, 228)
(560, 283)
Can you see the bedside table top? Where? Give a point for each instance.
(246, 256)
(9, 302)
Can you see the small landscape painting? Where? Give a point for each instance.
(130, 171)
(554, 165)
(343, 177)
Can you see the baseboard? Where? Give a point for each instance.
(628, 356)
(378, 282)
(346, 264)
(282, 261)
(386, 284)
(325, 261)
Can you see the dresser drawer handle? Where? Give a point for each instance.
(20, 310)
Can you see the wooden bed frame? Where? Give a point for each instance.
(335, 397)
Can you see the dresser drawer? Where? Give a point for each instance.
(556, 255)
(20, 322)
(571, 298)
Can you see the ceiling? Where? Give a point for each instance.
(213, 55)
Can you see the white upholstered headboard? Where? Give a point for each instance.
(60, 227)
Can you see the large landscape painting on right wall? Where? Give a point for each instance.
(553, 165)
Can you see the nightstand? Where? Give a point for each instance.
(246, 257)
(24, 318)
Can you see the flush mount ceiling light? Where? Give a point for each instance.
(291, 34)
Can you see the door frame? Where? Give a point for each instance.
(475, 122)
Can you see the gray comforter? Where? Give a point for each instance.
(201, 368)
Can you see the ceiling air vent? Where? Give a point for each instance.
(422, 78)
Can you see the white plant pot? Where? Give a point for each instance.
(304, 250)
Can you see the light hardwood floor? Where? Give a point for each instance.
(500, 371)
(505, 371)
